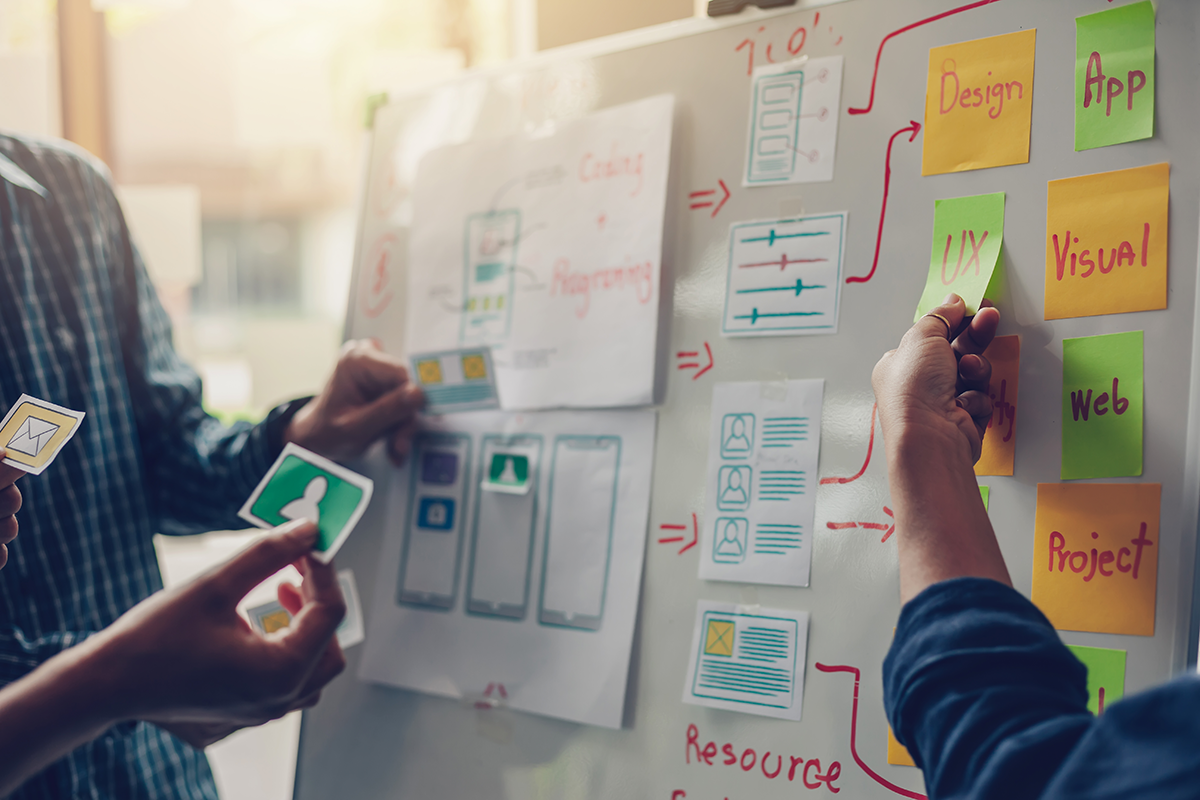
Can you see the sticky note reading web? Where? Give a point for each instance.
(304, 485)
(457, 380)
(1000, 440)
(1106, 675)
(1102, 406)
(1114, 76)
(967, 234)
(35, 431)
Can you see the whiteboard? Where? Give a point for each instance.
(365, 741)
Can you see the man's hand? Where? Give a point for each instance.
(368, 397)
(10, 504)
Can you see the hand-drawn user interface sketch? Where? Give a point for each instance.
(502, 532)
(579, 528)
(774, 127)
(491, 258)
(433, 539)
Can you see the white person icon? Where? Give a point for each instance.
(307, 506)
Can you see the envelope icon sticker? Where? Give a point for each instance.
(718, 640)
(33, 435)
(35, 431)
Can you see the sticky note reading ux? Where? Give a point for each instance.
(967, 234)
(1095, 556)
(1106, 675)
(35, 431)
(1106, 242)
(1114, 76)
(1000, 440)
(1102, 406)
(304, 485)
(457, 380)
(979, 104)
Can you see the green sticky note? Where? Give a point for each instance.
(967, 233)
(297, 487)
(986, 494)
(1114, 76)
(1102, 406)
(1106, 675)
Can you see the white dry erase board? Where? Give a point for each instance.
(369, 741)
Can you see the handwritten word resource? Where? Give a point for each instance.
(457, 380)
(785, 276)
(1106, 242)
(548, 250)
(979, 104)
(1102, 402)
(1114, 76)
(1095, 556)
(967, 234)
(34, 432)
(1000, 440)
(794, 113)
(748, 660)
(764, 442)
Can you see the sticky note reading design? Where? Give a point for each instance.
(1106, 242)
(1114, 76)
(1102, 402)
(749, 662)
(1000, 441)
(967, 234)
(34, 431)
(1095, 556)
(304, 485)
(457, 380)
(1105, 675)
(979, 104)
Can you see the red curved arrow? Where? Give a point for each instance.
(866, 461)
(913, 127)
(906, 28)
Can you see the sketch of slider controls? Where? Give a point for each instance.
(32, 436)
(798, 288)
(754, 316)
(772, 237)
(784, 262)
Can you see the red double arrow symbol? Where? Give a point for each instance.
(707, 199)
(680, 537)
(691, 359)
(914, 128)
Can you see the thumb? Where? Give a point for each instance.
(385, 412)
(265, 557)
(319, 618)
(942, 322)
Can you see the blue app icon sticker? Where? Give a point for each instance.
(439, 468)
(435, 513)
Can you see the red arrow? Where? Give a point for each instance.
(914, 128)
(926, 21)
(698, 200)
(674, 539)
(695, 364)
(866, 461)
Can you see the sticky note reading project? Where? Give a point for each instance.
(1106, 242)
(457, 380)
(1114, 76)
(967, 233)
(979, 104)
(1095, 556)
(1106, 675)
(35, 431)
(1000, 441)
(1102, 406)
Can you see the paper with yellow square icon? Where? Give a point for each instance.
(719, 641)
(474, 367)
(35, 431)
(457, 380)
(429, 371)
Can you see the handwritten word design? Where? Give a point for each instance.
(989, 96)
(638, 277)
(806, 771)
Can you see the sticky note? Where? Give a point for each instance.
(1102, 406)
(303, 485)
(1095, 556)
(1114, 76)
(1000, 440)
(897, 754)
(34, 431)
(1106, 242)
(986, 493)
(979, 104)
(967, 233)
(1105, 675)
(456, 380)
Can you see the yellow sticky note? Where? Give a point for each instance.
(1106, 242)
(474, 367)
(898, 753)
(1000, 441)
(430, 371)
(1095, 556)
(979, 104)
(718, 640)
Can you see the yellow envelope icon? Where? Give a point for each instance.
(34, 434)
(275, 621)
(718, 641)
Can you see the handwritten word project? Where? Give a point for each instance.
(1102, 403)
(1106, 242)
(1000, 440)
(1095, 556)
(967, 234)
(1114, 76)
(979, 104)
(785, 276)
(794, 114)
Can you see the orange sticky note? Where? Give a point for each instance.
(898, 753)
(1095, 556)
(1106, 242)
(1000, 441)
(979, 104)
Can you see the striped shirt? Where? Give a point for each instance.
(81, 326)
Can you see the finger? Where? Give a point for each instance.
(977, 404)
(10, 501)
(978, 334)
(290, 598)
(953, 311)
(8, 529)
(314, 624)
(8, 474)
(331, 664)
(397, 407)
(401, 442)
(264, 558)
(370, 366)
(974, 373)
(3, 555)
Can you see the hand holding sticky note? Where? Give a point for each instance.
(967, 233)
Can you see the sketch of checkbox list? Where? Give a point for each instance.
(785, 276)
(35, 431)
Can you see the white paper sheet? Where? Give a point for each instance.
(794, 109)
(764, 444)
(549, 250)
(748, 659)
(534, 595)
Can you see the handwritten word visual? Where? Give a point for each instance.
(808, 771)
(1119, 256)
(617, 165)
(1081, 403)
(581, 285)
(1078, 560)
(991, 95)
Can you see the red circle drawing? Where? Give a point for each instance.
(376, 276)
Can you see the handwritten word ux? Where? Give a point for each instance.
(1096, 79)
(1079, 561)
(1081, 404)
(989, 96)
(960, 271)
(1119, 256)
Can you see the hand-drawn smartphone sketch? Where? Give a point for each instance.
(434, 524)
(490, 244)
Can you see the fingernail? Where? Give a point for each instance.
(951, 299)
(958, 402)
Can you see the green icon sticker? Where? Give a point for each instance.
(508, 473)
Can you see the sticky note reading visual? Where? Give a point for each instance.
(1102, 405)
(1114, 76)
(457, 380)
(1106, 242)
(967, 233)
(1000, 440)
(1095, 556)
(34, 431)
(979, 104)
(1106, 675)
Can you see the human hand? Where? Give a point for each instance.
(936, 382)
(10, 504)
(368, 396)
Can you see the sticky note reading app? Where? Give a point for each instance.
(1095, 556)
(1106, 242)
(1102, 401)
(1114, 76)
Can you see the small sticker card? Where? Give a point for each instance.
(272, 616)
(35, 431)
(269, 617)
(748, 660)
(509, 470)
(304, 485)
(457, 380)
